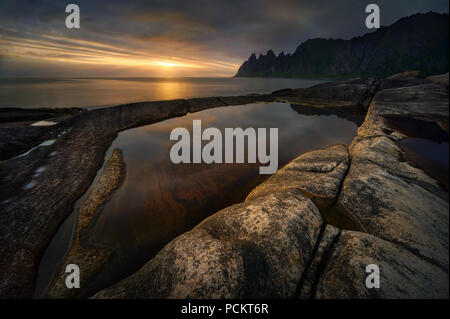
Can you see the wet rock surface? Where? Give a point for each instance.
(19, 133)
(199, 104)
(11, 115)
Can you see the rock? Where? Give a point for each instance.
(441, 79)
(309, 279)
(89, 257)
(403, 79)
(18, 139)
(18, 134)
(351, 113)
(426, 101)
(256, 249)
(236, 100)
(402, 274)
(348, 99)
(403, 109)
(396, 201)
(122, 117)
(32, 208)
(13, 114)
(282, 91)
(392, 198)
(319, 175)
(36, 206)
(408, 75)
(353, 93)
(199, 104)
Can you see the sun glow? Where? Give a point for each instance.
(75, 51)
(168, 64)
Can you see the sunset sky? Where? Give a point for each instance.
(172, 38)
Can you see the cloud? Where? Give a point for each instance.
(192, 38)
(169, 25)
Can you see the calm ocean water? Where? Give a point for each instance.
(98, 92)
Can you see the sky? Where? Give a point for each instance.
(136, 38)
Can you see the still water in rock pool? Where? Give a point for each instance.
(430, 156)
(159, 200)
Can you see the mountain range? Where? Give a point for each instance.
(417, 42)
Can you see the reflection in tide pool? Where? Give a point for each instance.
(431, 156)
(159, 200)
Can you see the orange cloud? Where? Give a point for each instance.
(77, 51)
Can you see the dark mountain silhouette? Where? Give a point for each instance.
(418, 42)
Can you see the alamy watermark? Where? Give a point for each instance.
(73, 19)
(73, 279)
(373, 19)
(212, 152)
(373, 279)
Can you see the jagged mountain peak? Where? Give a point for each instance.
(417, 42)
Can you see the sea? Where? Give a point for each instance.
(102, 92)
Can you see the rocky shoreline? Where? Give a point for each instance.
(307, 232)
(31, 215)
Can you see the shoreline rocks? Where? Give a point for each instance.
(33, 215)
(292, 234)
(32, 209)
(82, 252)
(402, 274)
(403, 213)
(256, 249)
